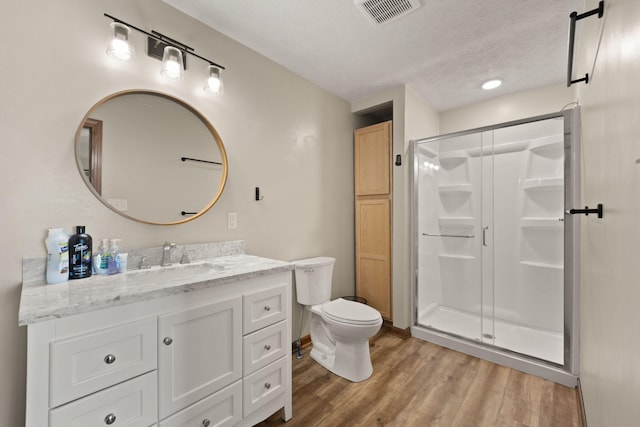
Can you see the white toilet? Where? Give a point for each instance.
(340, 329)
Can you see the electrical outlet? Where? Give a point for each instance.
(232, 220)
(119, 204)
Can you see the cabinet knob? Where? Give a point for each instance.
(206, 422)
(167, 341)
(267, 385)
(110, 419)
(267, 308)
(267, 347)
(109, 359)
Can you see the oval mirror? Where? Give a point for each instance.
(151, 157)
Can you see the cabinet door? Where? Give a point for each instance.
(372, 154)
(200, 351)
(373, 253)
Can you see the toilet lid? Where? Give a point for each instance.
(353, 312)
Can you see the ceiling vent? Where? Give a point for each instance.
(383, 11)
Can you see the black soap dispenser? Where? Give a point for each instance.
(80, 248)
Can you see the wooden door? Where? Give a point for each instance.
(372, 153)
(373, 184)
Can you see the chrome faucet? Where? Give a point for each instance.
(166, 254)
(143, 264)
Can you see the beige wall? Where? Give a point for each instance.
(502, 109)
(283, 134)
(609, 50)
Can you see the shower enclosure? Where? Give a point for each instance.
(493, 247)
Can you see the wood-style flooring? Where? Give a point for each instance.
(416, 383)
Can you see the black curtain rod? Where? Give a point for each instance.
(164, 39)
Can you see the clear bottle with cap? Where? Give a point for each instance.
(57, 256)
(101, 259)
(114, 250)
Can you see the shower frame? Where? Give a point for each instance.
(567, 374)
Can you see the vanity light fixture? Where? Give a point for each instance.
(173, 54)
(491, 84)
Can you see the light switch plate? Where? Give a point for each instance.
(232, 220)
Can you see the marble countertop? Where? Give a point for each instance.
(40, 301)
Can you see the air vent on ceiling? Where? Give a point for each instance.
(384, 11)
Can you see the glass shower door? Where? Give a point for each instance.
(449, 241)
(528, 236)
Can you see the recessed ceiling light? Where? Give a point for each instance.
(491, 84)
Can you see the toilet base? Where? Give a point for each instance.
(351, 361)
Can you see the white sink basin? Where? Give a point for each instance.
(175, 272)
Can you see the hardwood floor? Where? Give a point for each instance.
(415, 383)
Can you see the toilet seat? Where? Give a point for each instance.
(351, 312)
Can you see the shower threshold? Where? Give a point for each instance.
(539, 343)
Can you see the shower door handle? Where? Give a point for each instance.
(484, 235)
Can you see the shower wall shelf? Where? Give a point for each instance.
(542, 265)
(543, 184)
(454, 155)
(456, 188)
(464, 221)
(547, 143)
(455, 256)
(506, 147)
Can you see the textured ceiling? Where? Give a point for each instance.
(444, 50)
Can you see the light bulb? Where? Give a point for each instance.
(214, 84)
(119, 46)
(172, 65)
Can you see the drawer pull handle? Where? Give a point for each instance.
(109, 359)
(206, 422)
(167, 341)
(267, 385)
(267, 347)
(267, 308)
(109, 419)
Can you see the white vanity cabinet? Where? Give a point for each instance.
(217, 354)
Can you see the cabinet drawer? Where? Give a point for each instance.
(263, 308)
(88, 363)
(132, 404)
(264, 346)
(264, 385)
(223, 408)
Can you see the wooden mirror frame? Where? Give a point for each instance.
(95, 129)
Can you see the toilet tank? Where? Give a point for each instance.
(313, 280)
